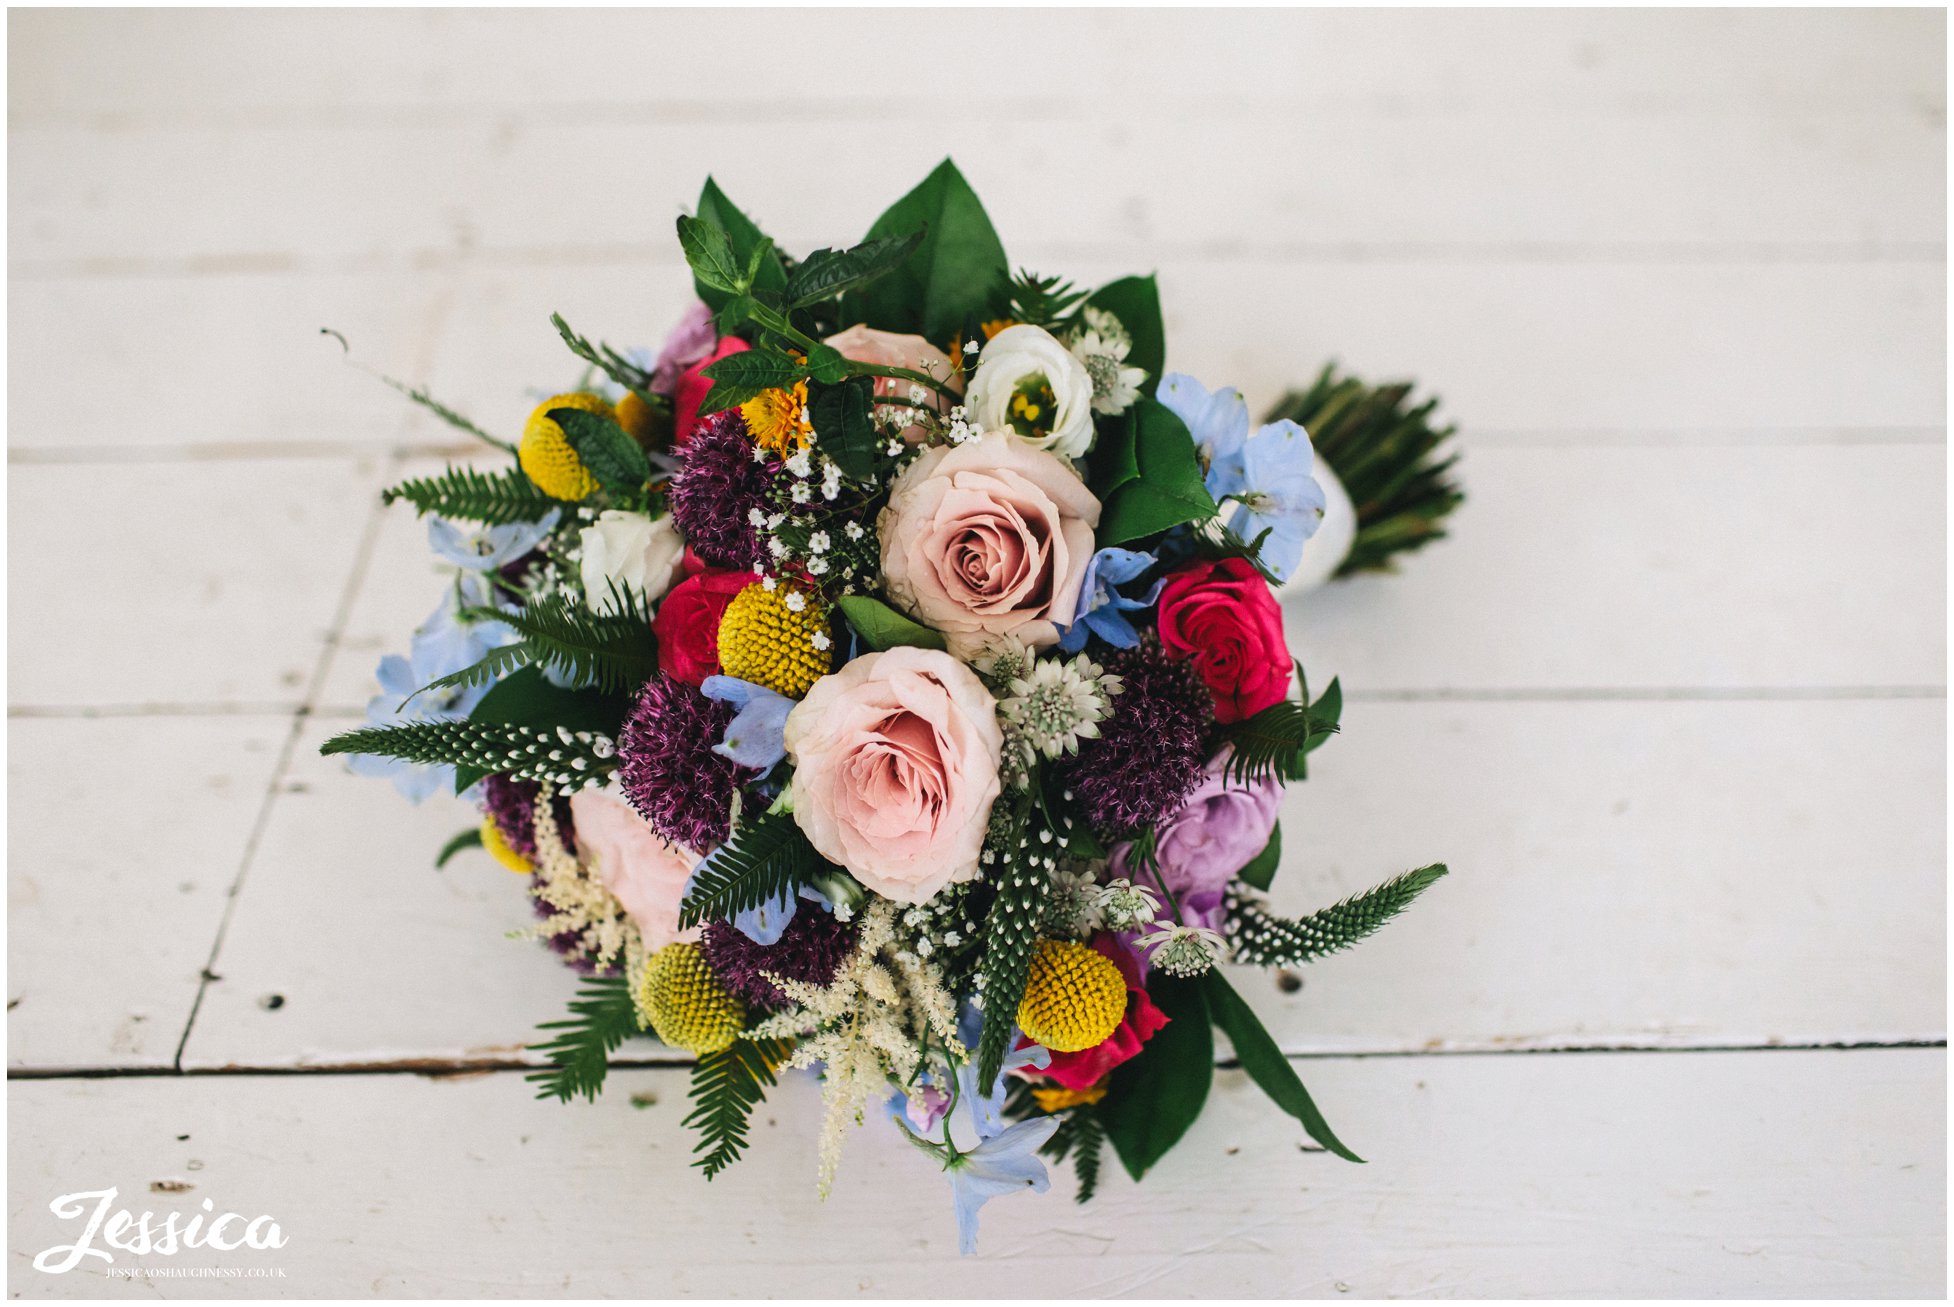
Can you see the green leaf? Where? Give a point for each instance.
(1135, 301)
(1264, 1062)
(1328, 713)
(611, 455)
(826, 273)
(743, 238)
(882, 627)
(1262, 940)
(1153, 1098)
(957, 273)
(1152, 479)
(826, 364)
(612, 364)
(468, 839)
(467, 495)
(709, 252)
(602, 1016)
(842, 427)
(739, 377)
(726, 1087)
(1011, 930)
(1261, 869)
(765, 858)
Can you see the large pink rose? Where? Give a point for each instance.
(895, 770)
(646, 873)
(892, 349)
(988, 541)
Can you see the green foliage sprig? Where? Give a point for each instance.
(1046, 302)
(1081, 1137)
(1386, 454)
(527, 753)
(612, 364)
(726, 1087)
(1262, 940)
(765, 858)
(469, 495)
(602, 1016)
(615, 650)
(1275, 741)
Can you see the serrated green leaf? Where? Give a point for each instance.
(842, 427)
(1135, 301)
(743, 237)
(1151, 479)
(709, 253)
(882, 627)
(1152, 1099)
(726, 1087)
(1261, 869)
(826, 364)
(739, 377)
(826, 273)
(957, 274)
(1260, 1056)
(602, 1016)
(611, 455)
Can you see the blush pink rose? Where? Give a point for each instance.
(988, 541)
(644, 872)
(895, 770)
(895, 350)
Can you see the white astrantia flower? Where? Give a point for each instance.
(1122, 905)
(1184, 951)
(631, 551)
(1053, 705)
(1029, 383)
(1102, 347)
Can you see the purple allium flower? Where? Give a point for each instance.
(716, 490)
(512, 805)
(812, 949)
(1151, 750)
(668, 768)
(566, 943)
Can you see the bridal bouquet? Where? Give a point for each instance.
(886, 680)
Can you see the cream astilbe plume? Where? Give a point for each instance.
(579, 902)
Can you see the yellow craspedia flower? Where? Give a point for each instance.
(545, 452)
(1056, 1098)
(638, 419)
(1074, 997)
(502, 851)
(777, 419)
(777, 638)
(689, 1007)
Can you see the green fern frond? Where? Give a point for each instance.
(493, 666)
(1262, 940)
(602, 1016)
(1090, 1138)
(726, 1087)
(1011, 930)
(470, 495)
(527, 753)
(1271, 743)
(766, 857)
(1042, 301)
(614, 649)
(1386, 455)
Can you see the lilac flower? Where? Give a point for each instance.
(1003, 1164)
(1218, 421)
(487, 548)
(1102, 608)
(756, 737)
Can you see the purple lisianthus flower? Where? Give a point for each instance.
(691, 340)
(487, 548)
(1203, 844)
(1102, 608)
(1005, 1163)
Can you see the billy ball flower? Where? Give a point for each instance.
(718, 489)
(777, 637)
(1151, 749)
(667, 767)
(1074, 997)
(501, 850)
(688, 1005)
(545, 452)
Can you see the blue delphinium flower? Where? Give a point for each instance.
(1004, 1163)
(1280, 496)
(1218, 421)
(487, 548)
(1102, 608)
(987, 1110)
(756, 737)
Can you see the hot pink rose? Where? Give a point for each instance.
(892, 349)
(1223, 616)
(988, 541)
(895, 770)
(687, 624)
(646, 874)
(693, 389)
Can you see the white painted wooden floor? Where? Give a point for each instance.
(1671, 704)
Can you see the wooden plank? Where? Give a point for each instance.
(1642, 1175)
(1776, 185)
(253, 66)
(126, 836)
(198, 584)
(1597, 898)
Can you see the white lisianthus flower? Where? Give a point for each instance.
(632, 550)
(1029, 383)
